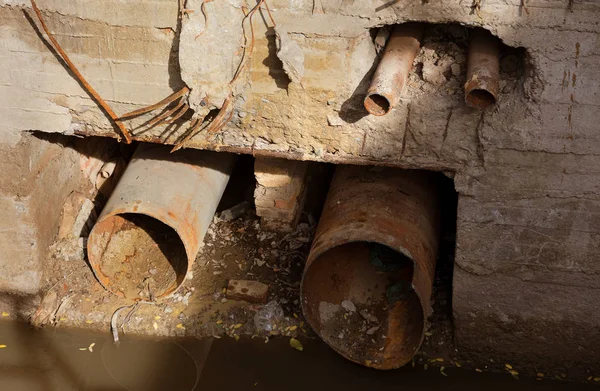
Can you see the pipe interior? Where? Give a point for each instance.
(480, 98)
(377, 104)
(142, 257)
(386, 328)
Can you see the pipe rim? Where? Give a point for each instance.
(95, 263)
(422, 314)
(480, 98)
(377, 104)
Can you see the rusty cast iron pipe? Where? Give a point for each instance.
(149, 233)
(369, 275)
(392, 72)
(483, 71)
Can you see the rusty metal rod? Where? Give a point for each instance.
(149, 233)
(483, 70)
(392, 72)
(368, 279)
(63, 55)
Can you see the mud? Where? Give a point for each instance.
(72, 359)
(144, 258)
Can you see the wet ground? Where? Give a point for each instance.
(74, 359)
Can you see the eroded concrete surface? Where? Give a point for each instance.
(527, 171)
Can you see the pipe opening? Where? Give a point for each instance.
(377, 104)
(480, 98)
(358, 296)
(138, 256)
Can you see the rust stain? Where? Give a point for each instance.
(363, 207)
(393, 69)
(483, 70)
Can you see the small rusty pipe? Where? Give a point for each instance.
(368, 279)
(392, 72)
(483, 70)
(149, 233)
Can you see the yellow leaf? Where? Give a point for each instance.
(458, 365)
(293, 328)
(89, 322)
(296, 344)
(295, 315)
(219, 321)
(514, 372)
(236, 337)
(155, 326)
(508, 366)
(180, 326)
(428, 334)
(157, 317)
(5, 314)
(2, 346)
(540, 374)
(368, 362)
(596, 378)
(237, 326)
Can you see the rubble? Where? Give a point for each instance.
(248, 290)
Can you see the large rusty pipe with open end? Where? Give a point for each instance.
(149, 233)
(392, 72)
(368, 279)
(483, 70)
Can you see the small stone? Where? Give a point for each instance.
(372, 330)
(335, 120)
(455, 68)
(368, 317)
(348, 306)
(247, 290)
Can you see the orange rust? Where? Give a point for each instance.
(483, 70)
(399, 210)
(393, 69)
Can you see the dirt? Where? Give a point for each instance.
(143, 259)
(236, 249)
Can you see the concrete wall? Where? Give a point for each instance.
(527, 171)
(38, 175)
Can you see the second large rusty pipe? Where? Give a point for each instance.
(392, 72)
(368, 279)
(483, 71)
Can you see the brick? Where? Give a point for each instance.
(279, 193)
(248, 290)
